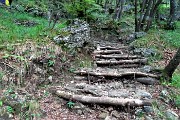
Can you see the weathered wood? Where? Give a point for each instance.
(141, 61)
(111, 48)
(117, 56)
(103, 100)
(147, 80)
(115, 73)
(120, 66)
(107, 51)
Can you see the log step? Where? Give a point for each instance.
(108, 72)
(117, 56)
(111, 47)
(120, 66)
(108, 52)
(107, 62)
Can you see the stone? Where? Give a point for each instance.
(148, 109)
(115, 114)
(39, 70)
(147, 117)
(50, 78)
(115, 85)
(74, 36)
(118, 93)
(80, 112)
(110, 118)
(147, 80)
(146, 52)
(103, 115)
(171, 115)
(164, 93)
(139, 34)
(139, 112)
(146, 68)
(144, 94)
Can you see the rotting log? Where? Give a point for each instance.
(117, 56)
(140, 61)
(107, 51)
(115, 73)
(103, 100)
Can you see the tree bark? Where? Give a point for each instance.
(103, 100)
(170, 24)
(173, 64)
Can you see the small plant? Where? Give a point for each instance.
(1, 76)
(10, 109)
(1, 103)
(51, 63)
(70, 104)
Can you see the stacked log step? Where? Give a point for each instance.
(115, 61)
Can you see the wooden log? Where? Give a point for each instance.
(115, 73)
(103, 100)
(105, 62)
(111, 48)
(120, 66)
(147, 80)
(107, 51)
(117, 56)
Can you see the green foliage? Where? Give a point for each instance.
(176, 80)
(1, 103)
(51, 63)
(1, 76)
(10, 109)
(163, 8)
(70, 104)
(84, 8)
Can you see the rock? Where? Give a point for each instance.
(115, 114)
(102, 115)
(139, 34)
(171, 115)
(118, 93)
(110, 118)
(130, 38)
(80, 112)
(148, 109)
(50, 78)
(147, 117)
(146, 52)
(164, 93)
(146, 68)
(139, 112)
(81, 85)
(143, 94)
(76, 35)
(147, 80)
(115, 85)
(39, 70)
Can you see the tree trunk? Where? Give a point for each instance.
(173, 64)
(170, 24)
(152, 13)
(136, 16)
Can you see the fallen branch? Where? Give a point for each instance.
(115, 73)
(105, 62)
(102, 100)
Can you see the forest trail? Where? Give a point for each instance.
(118, 77)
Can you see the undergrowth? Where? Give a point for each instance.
(11, 33)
